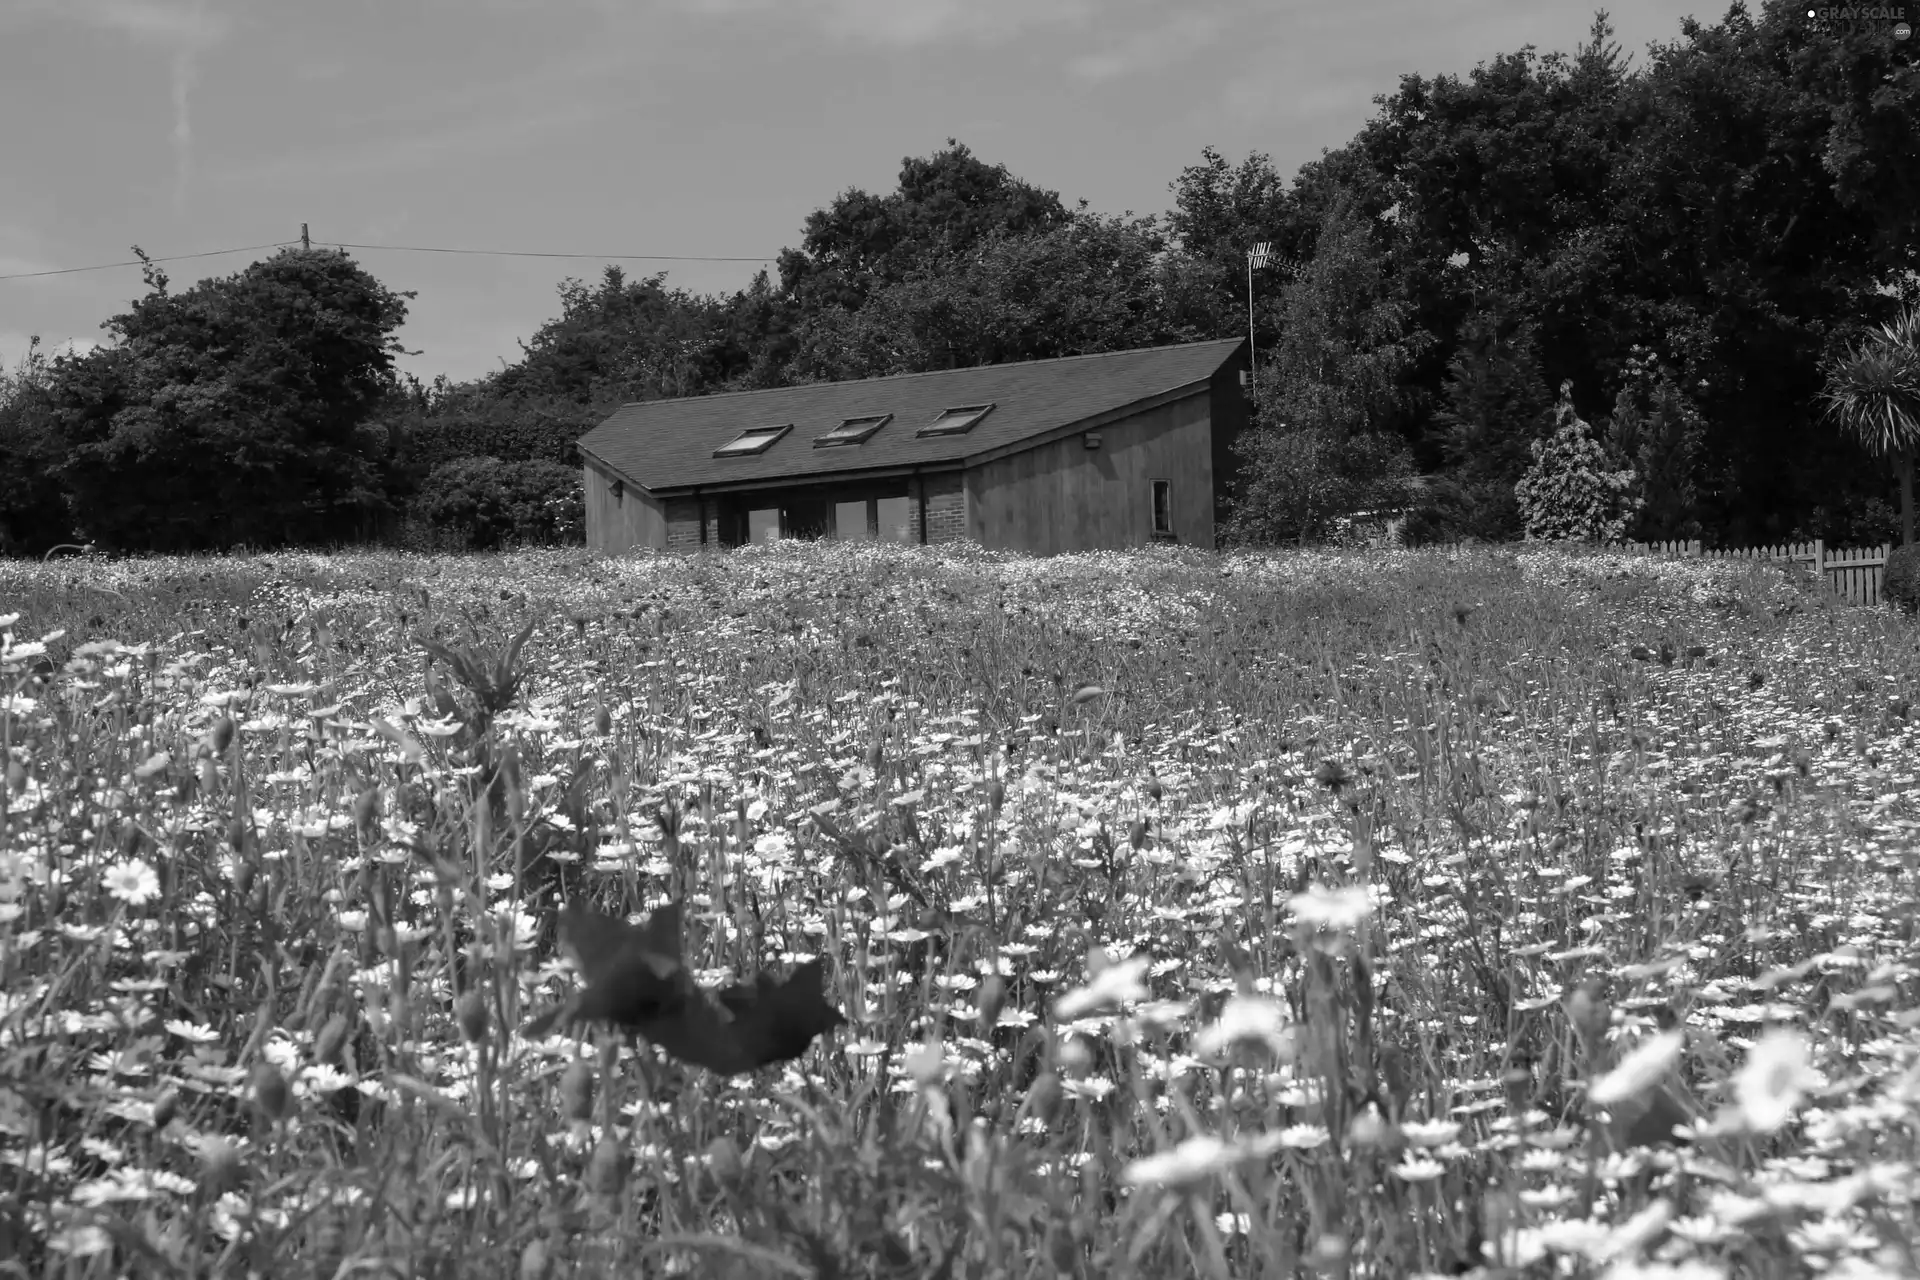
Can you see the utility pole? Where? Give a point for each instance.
(304, 242)
(1256, 257)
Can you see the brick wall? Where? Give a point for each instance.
(946, 503)
(683, 524)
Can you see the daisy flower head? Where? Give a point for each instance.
(133, 882)
(1772, 1084)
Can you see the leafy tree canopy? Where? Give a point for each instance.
(233, 412)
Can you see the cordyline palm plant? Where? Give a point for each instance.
(1874, 392)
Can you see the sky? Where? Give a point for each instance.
(696, 128)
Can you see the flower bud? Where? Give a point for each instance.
(270, 1092)
(1043, 1096)
(471, 1013)
(723, 1157)
(607, 1168)
(993, 998)
(333, 1035)
(576, 1091)
(219, 1165)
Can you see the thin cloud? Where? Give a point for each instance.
(911, 23)
(1152, 48)
(185, 31)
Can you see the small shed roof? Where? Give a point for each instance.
(669, 444)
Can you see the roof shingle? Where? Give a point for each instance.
(668, 444)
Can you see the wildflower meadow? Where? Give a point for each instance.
(1496, 911)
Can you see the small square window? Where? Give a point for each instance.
(1162, 508)
(751, 441)
(852, 431)
(955, 422)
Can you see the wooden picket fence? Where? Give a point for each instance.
(1853, 574)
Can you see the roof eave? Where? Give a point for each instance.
(791, 479)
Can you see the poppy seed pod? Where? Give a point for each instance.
(270, 1092)
(723, 1157)
(576, 1091)
(993, 998)
(1064, 1253)
(607, 1169)
(1043, 1096)
(366, 811)
(332, 1037)
(470, 1011)
(219, 1165)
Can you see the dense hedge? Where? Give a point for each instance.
(489, 502)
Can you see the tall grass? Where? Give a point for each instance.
(1353, 914)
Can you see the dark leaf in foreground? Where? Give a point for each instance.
(635, 979)
(775, 1021)
(633, 973)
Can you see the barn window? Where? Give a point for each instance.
(955, 422)
(751, 441)
(852, 431)
(1163, 508)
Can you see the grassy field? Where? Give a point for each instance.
(1346, 914)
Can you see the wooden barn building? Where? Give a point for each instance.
(1089, 452)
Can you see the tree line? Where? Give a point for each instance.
(1707, 251)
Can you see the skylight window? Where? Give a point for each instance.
(852, 431)
(956, 422)
(751, 441)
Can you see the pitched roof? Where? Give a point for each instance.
(669, 444)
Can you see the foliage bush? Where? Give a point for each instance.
(1900, 584)
(1656, 432)
(461, 424)
(490, 503)
(1454, 509)
(1296, 484)
(1569, 493)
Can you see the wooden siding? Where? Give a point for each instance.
(616, 525)
(1064, 496)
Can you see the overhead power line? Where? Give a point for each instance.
(513, 253)
(395, 248)
(176, 257)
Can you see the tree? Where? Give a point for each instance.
(627, 340)
(33, 515)
(235, 412)
(1655, 432)
(1345, 338)
(1570, 492)
(1092, 284)
(1496, 400)
(945, 204)
(1873, 392)
(1316, 448)
(1220, 211)
(1729, 203)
